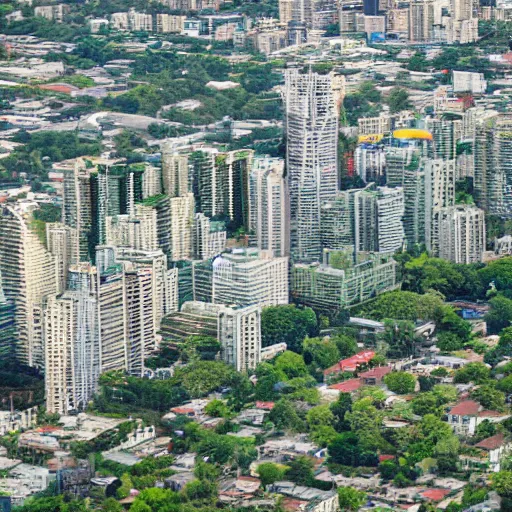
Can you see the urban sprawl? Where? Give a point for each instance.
(255, 255)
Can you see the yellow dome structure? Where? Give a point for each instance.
(412, 133)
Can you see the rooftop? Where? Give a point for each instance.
(466, 408)
(492, 443)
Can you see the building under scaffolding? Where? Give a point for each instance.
(325, 288)
(312, 104)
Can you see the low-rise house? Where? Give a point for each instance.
(179, 480)
(308, 498)
(284, 448)
(495, 449)
(467, 415)
(351, 364)
(375, 375)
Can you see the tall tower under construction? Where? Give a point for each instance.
(312, 104)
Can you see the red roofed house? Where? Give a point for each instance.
(434, 494)
(467, 415)
(266, 406)
(496, 447)
(375, 375)
(348, 386)
(350, 364)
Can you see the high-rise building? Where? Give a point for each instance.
(28, 276)
(439, 193)
(140, 326)
(155, 216)
(72, 351)
(165, 281)
(221, 184)
(79, 198)
(248, 276)
(209, 237)
(337, 221)
(338, 282)
(493, 164)
(446, 133)
(403, 169)
(61, 241)
(285, 11)
(182, 225)
(174, 172)
(421, 20)
(237, 329)
(269, 205)
(371, 7)
(7, 327)
(151, 181)
(312, 104)
(461, 234)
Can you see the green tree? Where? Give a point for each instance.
(448, 341)
(284, 416)
(426, 403)
(338, 409)
(291, 364)
(499, 316)
(400, 337)
(478, 373)
(320, 416)
(111, 505)
(300, 470)
(400, 382)
(321, 353)
(287, 324)
(217, 409)
(350, 498)
(398, 99)
(207, 347)
(445, 393)
(203, 377)
(270, 473)
(505, 385)
(489, 397)
(502, 483)
(347, 345)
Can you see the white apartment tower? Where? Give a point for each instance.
(72, 350)
(439, 193)
(61, 241)
(209, 237)
(248, 276)
(174, 172)
(28, 276)
(462, 234)
(182, 223)
(269, 205)
(312, 103)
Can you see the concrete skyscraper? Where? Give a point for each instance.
(312, 105)
(461, 234)
(28, 276)
(269, 205)
(439, 193)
